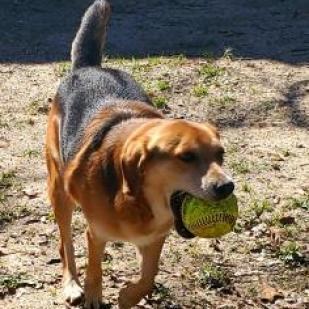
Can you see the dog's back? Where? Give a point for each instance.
(90, 88)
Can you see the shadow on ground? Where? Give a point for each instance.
(34, 31)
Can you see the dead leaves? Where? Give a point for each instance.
(269, 294)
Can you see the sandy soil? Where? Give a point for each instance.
(257, 93)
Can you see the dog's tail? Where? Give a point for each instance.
(87, 47)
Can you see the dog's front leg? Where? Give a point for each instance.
(149, 258)
(93, 281)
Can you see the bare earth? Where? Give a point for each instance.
(257, 92)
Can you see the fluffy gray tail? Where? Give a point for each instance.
(87, 47)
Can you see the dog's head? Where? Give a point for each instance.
(168, 157)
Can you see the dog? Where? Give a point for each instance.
(111, 152)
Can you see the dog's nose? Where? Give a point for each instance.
(223, 190)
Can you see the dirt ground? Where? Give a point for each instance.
(242, 65)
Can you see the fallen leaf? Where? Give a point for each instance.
(269, 294)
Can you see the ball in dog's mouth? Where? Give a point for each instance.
(176, 201)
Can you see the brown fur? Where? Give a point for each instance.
(123, 187)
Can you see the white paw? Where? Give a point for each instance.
(73, 293)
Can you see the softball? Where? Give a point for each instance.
(209, 219)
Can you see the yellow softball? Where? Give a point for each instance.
(209, 219)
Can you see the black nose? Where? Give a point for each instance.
(223, 190)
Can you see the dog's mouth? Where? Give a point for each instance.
(176, 201)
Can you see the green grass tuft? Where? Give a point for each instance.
(159, 101)
(200, 91)
(213, 277)
(163, 85)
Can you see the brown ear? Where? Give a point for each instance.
(132, 164)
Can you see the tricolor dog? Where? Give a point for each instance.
(111, 152)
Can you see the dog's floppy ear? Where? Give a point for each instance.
(132, 168)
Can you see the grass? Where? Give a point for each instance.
(12, 281)
(163, 85)
(299, 202)
(200, 91)
(161, 291)
(228, 54)
(62, 69)
(7, 214)
(261, 206)
(240, 167)
(210, 71)
(7, 180)
(31, 153)
(224, 101)
(246, 187)
(159, 101)
(4, 124)
(290, 253)
(37, 107)
(213, 277)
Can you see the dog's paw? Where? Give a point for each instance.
(93, 295)
(73, 293)
(132, 294)
(92, 301)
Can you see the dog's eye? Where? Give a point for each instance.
(188, 156)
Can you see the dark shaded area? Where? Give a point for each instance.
(297, 114)
(42, 30)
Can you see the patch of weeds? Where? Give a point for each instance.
(163, 85)
(232, 148)
(290, 253)
(62, 69)
(7, 180)
(10, 282)
(290, 230)
(213, 277)
(228, 53)
(246, 187)
(175, 256)
(36, 107)
(200, 91)
(159, 101)
(176, 59)
(155, 60)
(161, 291)
(223, 101)
(252, 291)
(240, 167)
(194, 250)
(6, 215)
(266, 106)
(237, 228)
(51, 217)
(31, 153)
(210, 71)
(299, 202)
(259, 207)
(4, 124)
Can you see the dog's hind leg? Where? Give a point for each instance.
(63, 208)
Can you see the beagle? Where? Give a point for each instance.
(111, 152)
